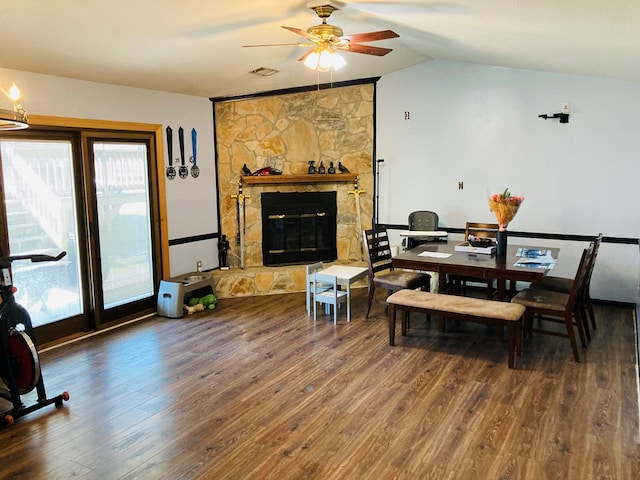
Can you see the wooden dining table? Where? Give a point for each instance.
(477, 265)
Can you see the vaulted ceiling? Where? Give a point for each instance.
(195, 47)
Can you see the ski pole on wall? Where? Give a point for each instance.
(377, 192)
(356, 192)
(241, 197)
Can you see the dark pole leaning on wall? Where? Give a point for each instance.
(377, 192)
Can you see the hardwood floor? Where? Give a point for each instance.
(256, 390)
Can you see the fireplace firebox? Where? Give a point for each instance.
(298, 227)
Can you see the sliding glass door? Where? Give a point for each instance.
(40, 199)
(92, 195)
(121, 192)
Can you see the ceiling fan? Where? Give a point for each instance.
(325, 39)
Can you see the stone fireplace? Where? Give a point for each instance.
(286, 131)
(298, 227)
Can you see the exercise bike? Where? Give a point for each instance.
(19, 361)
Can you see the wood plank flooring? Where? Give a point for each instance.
(257, 390)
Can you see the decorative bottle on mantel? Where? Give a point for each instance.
(332, 169)
(321, 168)
(312, 168)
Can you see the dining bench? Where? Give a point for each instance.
(455, 307)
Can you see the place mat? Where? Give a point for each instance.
(434, 254)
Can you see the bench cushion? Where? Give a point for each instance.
(475, 307)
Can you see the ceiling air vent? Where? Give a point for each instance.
(264, 72)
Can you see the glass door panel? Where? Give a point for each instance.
(124, 221)
(41, 218)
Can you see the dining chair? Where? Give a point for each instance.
(484, 230)
(381, 271)
(557, 307)
(326, 291)
(563, 285)
(421, 220)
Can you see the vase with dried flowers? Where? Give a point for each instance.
(504, 207)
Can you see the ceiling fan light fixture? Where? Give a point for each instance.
(312, 60)
(15, 119)
(324, 59)
(337, 61)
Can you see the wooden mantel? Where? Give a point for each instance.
(306, 178)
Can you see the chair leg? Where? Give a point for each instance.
(405, 323)
(592, 314)
(527, 324)
(490, 290)
(372, 290)
(392, 325)
(572, 337)
(579, 325)
(584, 319)
(315, 304)
(386, 307)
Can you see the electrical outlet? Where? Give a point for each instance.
(565, 107)
(199, 265)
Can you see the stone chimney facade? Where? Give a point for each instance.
(286, 132)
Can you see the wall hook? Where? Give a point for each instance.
(564, 117)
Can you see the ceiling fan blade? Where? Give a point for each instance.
(371, 36)
(282, 45)
(367, 49)
(299, 31)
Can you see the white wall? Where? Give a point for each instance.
(479, 125)
(469, 123)
(191, 203)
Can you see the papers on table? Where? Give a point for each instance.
(533, 252)
(535, 264)
(434, 254)
(535, 258)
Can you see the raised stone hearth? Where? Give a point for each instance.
(253, 281)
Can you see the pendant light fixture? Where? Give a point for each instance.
(15, 119)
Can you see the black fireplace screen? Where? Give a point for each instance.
(298, 227)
